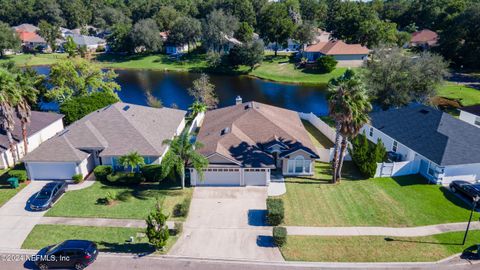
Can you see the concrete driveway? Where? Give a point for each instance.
(15, 221)
(227, 223)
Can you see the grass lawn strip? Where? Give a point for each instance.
(317, 137)
(465, 95)
(376, 248)
(405, 201)
(141, 201)
(108, 239)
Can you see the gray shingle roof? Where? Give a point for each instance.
(475, 109)
(82, 40)
(117, 130)
(433, 134)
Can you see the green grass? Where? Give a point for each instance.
(395, 202)
(465, 95)
(6, 193)
(108, 239)
(33, 60)
(318, 139)
(83, 203)
(376, 248)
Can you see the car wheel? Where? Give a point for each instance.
(43, 266)
(453, 189)
(79, 266)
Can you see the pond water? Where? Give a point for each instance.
(172, 88)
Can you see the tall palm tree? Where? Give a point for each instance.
(181, 155)
(9, 97)
(132, 160)
(349, 106)
(28, 94)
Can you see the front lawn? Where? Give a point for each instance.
(108, 239)
(465, 95)
(39, 59)
(139, 202)
(395, 202)
(376, 248)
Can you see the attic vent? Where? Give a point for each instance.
(225, 131)
(126, 108)
(423, 111)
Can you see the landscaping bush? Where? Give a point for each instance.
(77, 178)
(152, 172)
(366, 154)
(326, 64)
(109, 199)
(279, 236)
(102, 171)
(275, 211)
(124, 178)
(181, 209)
(20, 174)
(177, 228)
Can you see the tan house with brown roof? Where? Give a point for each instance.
(347, 55)
(425, 38)
(245, 142)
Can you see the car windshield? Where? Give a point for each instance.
(44, 194)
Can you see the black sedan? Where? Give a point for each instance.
(76, 254)
(468, 189)
(47, 196)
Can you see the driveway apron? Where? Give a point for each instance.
(16, 222)
(227, 223)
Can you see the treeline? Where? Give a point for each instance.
(134, 23)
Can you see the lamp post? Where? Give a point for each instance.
(475, 201)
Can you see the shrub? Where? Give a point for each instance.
(177, 228)
(109, 198)
(326, 64)
(366, 154)
(157, 230)
(77, 178)
(124, 178)
(275, 211)
(279, 236)
(102, 171)
(20, 174)
(152, 172)
(181, 209)
(77, 107)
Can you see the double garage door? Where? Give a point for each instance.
(51, 171)
(232, 177)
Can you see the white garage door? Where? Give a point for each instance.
(51, 171)
(255, 177)
(220, 177)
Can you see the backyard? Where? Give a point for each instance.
(394, 202)
(134, 202)
(376, 248)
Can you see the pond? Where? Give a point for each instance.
(172, 88)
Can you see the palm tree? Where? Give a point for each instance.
(9, 97)
(181, 155)
(197, 107)
(28, 94)
(349, 106)
(132, 160)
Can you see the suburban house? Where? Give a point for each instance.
(427, 141)
(425, 39)
(293, 46)
(90, 42)
(471, 115)
(245, 142)
(29, 37)
(172, 49)
(101, 137)
(43, 126)
(347, 55)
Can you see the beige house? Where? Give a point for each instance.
(247, 142)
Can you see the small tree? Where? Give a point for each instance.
(204, 92)
(8, 39)
(157, 229)
(132, 160)
(326, 64)
(50, 33)
(366, 155)
(70, 47)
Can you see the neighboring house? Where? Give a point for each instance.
(102, 137)
(245, 142)
(347, 55)
(425, 39)
(42, 127)
(471, 115)
(293, 46)
(90, 42)
(172, 49)
(428, 141)
(230, 42)
(26, 27)
(31, 40)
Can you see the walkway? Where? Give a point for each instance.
(16, 221)
(382, 231)
(98, 222)
(277, 185)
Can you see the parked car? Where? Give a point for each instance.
(45, 198)
(468, 189)
(73, 254)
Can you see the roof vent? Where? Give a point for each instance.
(423, 111)
(225, 131)
(126, 108)
(238, 100)
(248, 106)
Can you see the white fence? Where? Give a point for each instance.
(397, 168)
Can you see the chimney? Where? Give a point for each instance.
(238, 100)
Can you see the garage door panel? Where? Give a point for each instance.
(255, 178)
(51, 171)
(220, 177)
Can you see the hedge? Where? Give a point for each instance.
(279, 236)
(152, 172)
(102, 171)
(125, 178)
(275, 211)
(77, 178)
(20, 174)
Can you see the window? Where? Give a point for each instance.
(299, 165)
(477, 121)
(370, 133)
(395, 146)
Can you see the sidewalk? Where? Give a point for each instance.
(382, 231)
